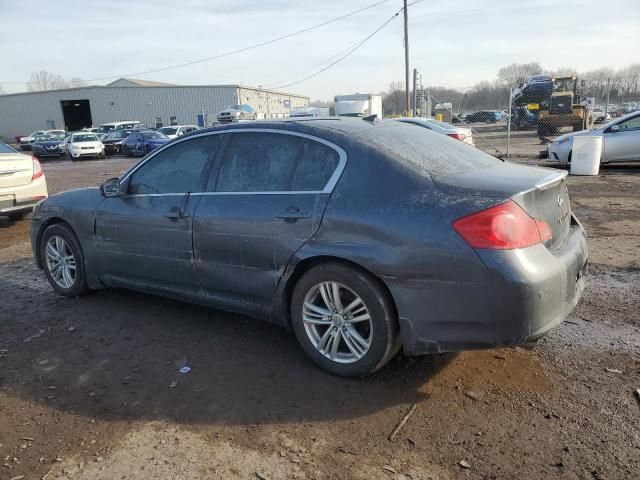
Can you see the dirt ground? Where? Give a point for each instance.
(90, 389)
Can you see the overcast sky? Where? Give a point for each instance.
(453, 43)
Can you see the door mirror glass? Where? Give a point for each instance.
(110, 188)
(615, 128)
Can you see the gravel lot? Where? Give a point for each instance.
(89, 387)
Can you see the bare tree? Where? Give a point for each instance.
(516, 73)
(393, 99)
(76, 82)
(43, 80)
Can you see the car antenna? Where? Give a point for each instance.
(371, 118)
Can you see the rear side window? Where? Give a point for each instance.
(424, 151)
(272, 162)
(180, 168)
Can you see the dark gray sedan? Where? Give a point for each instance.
(363, 237)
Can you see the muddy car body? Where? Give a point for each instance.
(362, 236)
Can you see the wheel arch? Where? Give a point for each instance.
(46, 224)
(306, 264)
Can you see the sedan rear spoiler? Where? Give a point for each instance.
(551, 180)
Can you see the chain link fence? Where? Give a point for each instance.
(519, 121)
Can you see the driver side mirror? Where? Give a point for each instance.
(614, 128)
(110, 188)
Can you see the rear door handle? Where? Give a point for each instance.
(293, 213)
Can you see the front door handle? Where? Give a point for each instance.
(293, 213)
(174, 214)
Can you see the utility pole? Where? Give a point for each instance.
(406, 57)
(415, 92)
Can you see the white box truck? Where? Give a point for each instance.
(358, 105)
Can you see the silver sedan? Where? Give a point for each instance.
(620, 141)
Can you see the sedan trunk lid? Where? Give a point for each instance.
(540, 192)
(15, 170)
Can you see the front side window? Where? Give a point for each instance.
(180, 168)
(631, 124)
(272, 162)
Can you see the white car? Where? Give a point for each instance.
(599, 115)
(174, 131)
(26, 143)
(620, 141)
(459, 133)
(22, 183)
(83, 145)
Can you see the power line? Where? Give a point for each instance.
(232, 52)
(349, 52)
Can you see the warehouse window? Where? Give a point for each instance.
(173, 120)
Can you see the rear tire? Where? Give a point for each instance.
(364, 345)
(63, 261)
(125, 151)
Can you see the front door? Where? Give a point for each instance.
(623, 144)
(144, 235)
(267, 200)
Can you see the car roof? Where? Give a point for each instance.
(340, 124)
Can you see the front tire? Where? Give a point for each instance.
(344, 320)
(63, 261)
(125, 151)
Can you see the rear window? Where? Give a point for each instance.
(6, 149)
(424, 151)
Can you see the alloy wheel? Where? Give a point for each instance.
(61, 262)
(337, 322)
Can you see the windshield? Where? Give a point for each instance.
(84, 137)
(43, 138)
(169, 130)
(153, 135)
(6, 149)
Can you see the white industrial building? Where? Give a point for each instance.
(153, 103)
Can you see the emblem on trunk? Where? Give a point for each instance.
(560, 200)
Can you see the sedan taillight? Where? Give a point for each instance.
(457, 136)
(37, 169)
(503, 227)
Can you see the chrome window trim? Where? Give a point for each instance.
(328, 188)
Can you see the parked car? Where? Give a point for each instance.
(599, 115)
(142, 142)
(620, 141)
(26, 143)
(459, 133)
(237, 113)
(177, 130)
(22, 183)
(362, 236)
(122, 125)
(484, 116)
(113, 141)
(84, 145)
(50, 146)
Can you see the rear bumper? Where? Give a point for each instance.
(22, 198)
(532, 290)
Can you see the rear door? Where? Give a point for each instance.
(267, 200)
(623, 144)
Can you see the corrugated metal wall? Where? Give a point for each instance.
(271, 104)
(21, 114)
